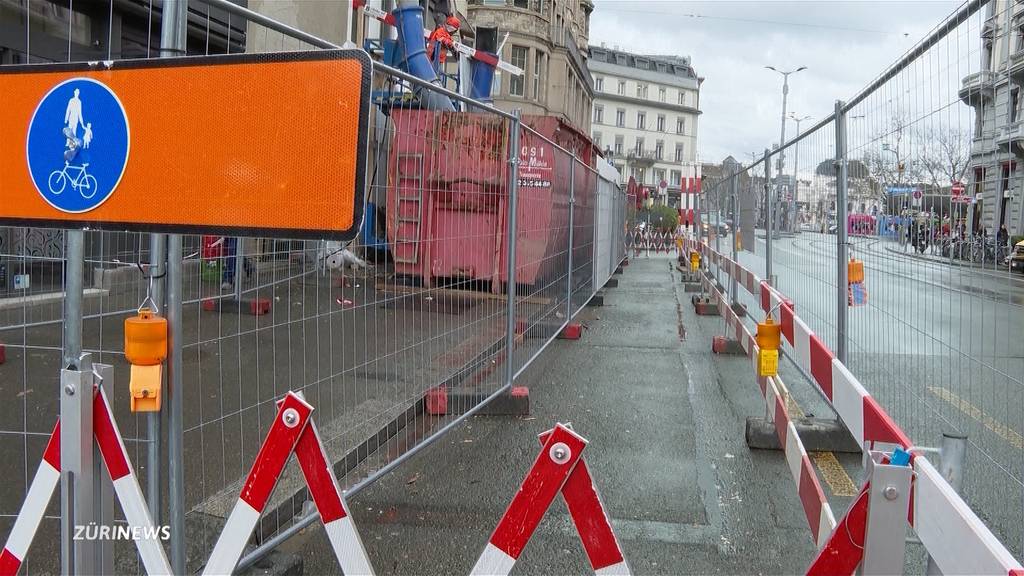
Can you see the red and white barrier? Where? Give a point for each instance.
(292, 432)
(126, 487)
(954, 536)
(657, 242)
(467, 51)
(558, 468)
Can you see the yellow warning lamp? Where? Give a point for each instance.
(769, 337)
(694, 260)
(145, 347)
(854, 271)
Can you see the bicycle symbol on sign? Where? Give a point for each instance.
(80, 181)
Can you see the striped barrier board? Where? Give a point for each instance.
(954, 536)
(293, 431)
(126, 487)
(559, 468)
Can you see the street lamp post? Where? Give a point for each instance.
(782, 139)
(796, 166)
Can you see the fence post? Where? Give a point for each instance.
(842, 307)
(733, 190)
(76, 443)
(157, 269)
(510, 270)
(885, 530)
(951, 465)
(173, 35)
(768, 217)
(718, 229)
(175, 400)
(572, 236)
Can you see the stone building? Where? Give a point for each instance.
(548, 40)
(997, 147)
(645, 118)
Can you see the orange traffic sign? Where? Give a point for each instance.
(254, 145)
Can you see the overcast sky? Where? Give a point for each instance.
(844, 44)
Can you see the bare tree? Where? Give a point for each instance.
(943, 154)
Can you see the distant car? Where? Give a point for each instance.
(806, 227)
(723, 228)
(832, 228)
(1016, 258)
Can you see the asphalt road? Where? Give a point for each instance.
(940, 346)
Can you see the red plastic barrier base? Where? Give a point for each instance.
(3, 354)
(572, 331)
(625, 262)
(521, 327)
(255, 307)
(437, 401)
(723, 345)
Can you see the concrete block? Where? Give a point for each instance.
(691, 287)
(817, 434)
(739, 309)
(612, 283)
(597, 300)
(619, 269)
(277, 563)
(516, 402)
(706, 309)
(727, 346)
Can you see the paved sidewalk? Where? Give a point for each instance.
(665, 421)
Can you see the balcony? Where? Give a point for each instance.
(645, 159)
(1010, 138)
(978, 87)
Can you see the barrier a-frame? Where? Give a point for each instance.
(126, 487)
(558, 468)
(293, 431)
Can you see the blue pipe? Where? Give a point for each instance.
(483, 79)
(409, 21)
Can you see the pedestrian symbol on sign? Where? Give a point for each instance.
(77, 145)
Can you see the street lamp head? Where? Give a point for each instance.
(771, 68)
(801, 68)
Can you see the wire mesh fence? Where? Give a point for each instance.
(931, 149)
(393, 337)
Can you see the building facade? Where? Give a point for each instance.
(645, 118)
(997, 148)
(548, 40)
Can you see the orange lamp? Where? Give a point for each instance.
(145, 347)
(854, 271)
(769, 337)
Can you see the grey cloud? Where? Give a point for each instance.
(740, 99)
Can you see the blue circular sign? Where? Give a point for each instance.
(77, 145)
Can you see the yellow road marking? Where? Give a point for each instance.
(839, 482)
(997, 427)
(834, 474)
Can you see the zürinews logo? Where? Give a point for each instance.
(77, 145)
